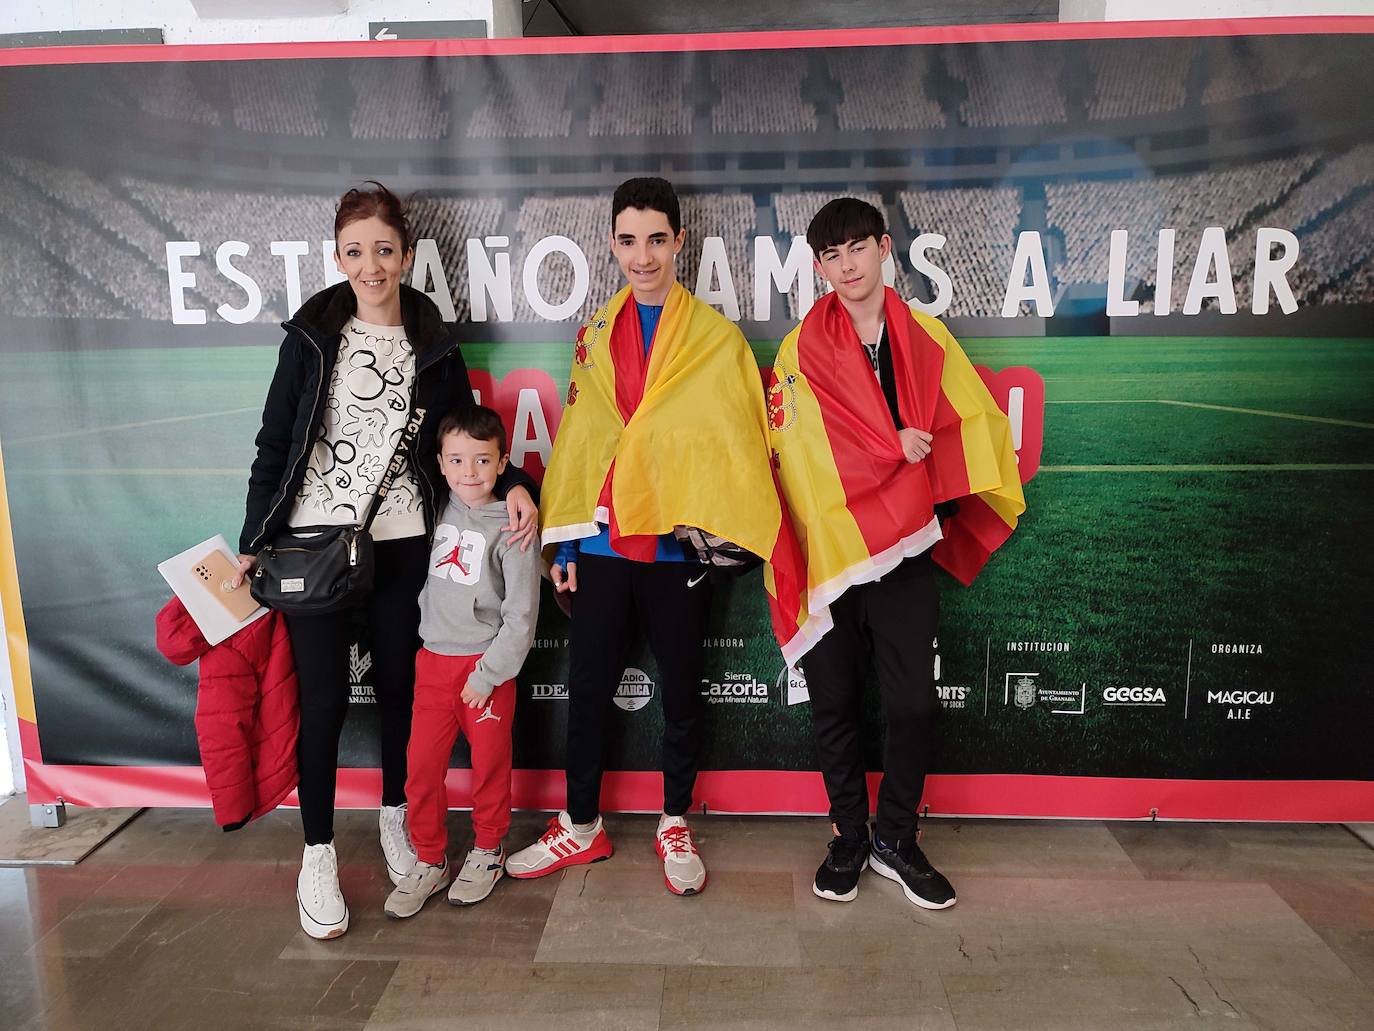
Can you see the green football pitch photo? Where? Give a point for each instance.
(1184, 596)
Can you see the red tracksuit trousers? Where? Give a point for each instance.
(439, 716)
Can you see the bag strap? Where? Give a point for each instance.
(393, 468)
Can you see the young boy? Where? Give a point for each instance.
(477, 618)
(664, 427)
(877, 416)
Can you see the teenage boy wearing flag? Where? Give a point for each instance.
(876, 417)
(664, 426)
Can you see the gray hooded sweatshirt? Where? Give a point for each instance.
(481, 596)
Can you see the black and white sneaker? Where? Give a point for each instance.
(837, 879)
(922, 884)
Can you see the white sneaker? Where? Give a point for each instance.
(324, 913)
(481, 870)
(417, 887)
(396, 846)
(561, 845)
(683, 870)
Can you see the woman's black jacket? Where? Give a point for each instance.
(294, 412)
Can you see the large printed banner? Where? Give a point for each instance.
(1156, 241)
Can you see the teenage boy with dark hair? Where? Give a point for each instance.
(664, 428)
(877, 416)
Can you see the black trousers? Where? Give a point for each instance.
(615, 600)
(320, 647)
(892, 621)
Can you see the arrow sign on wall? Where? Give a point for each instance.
(457, 28)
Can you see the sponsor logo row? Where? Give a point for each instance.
(636, 689)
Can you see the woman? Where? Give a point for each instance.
(359, 357)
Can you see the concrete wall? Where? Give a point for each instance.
(252, 21)
(1182, 10)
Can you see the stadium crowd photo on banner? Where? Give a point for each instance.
(559, 514)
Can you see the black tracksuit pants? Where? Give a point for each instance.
(617, 599)
(893, 621)
(320, 647)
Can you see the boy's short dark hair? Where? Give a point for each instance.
(649, 193)
(478, 422)
(843, 220)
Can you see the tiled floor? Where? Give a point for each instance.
(174, 924)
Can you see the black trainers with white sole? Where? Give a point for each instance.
(837, 879)
(922, 884)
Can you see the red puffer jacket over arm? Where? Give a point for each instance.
(247, 711)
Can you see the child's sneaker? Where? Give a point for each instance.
(561, 846)
(323, 912)
(396, 846)
(416, 888)
(683, 870)
(481, 870)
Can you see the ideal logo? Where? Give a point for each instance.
(549, 692)
(735, 687)
(1133, 696)
(634, 691)
(359, 662)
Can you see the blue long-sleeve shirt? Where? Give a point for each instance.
(669, 547)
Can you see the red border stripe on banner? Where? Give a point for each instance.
(770, 791)
(778, 40)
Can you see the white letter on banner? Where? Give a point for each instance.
(1164, 273)
(238, 316)
(531, 431)
(1212, 251)
(291, 252)
(1117, 305)
(582, 278)
(329, 259)
(1271, 272)
(427, 264)
(486, 280)
(944, 289)
(769, 267)
(714, 261)
(179, 281)
(1029, 254)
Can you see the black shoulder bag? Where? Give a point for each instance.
(313, 570)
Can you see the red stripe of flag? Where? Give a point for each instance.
(887, 497)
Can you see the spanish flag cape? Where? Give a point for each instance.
(677, 438)
(858, 507)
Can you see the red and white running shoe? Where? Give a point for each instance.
(683, 870)
(560, 846)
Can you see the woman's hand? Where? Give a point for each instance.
(524, 517)
(246, 564)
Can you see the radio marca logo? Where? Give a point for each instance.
(635, 690)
